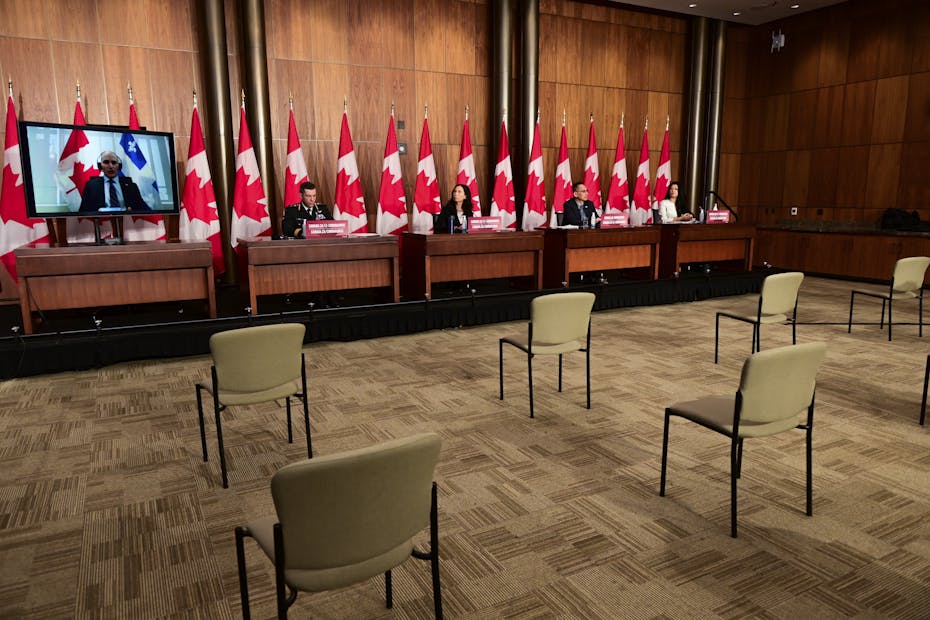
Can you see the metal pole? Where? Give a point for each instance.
(696, 97)
(715, 107)
(501, 22)
(529, 92)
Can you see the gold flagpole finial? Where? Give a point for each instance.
(647, 121)
(666, 123)
(392, 108)
(195, 97)
(563, 117)
(129, 90)
(466, 111)
(592, 117)
(242, 95)
(9, 85)
(622, 115)
(77, 87)
(504, 115)
(426, 110)
(537, 116)
(345, 103)
(290, 99)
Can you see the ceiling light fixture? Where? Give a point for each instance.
(795, 6)
(692, 5)
(736, 13)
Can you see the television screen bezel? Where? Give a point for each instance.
(120, 129)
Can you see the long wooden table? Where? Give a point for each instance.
(428, 259)
(704, 243)
(280, 267)
(89, 276)
(571, 251)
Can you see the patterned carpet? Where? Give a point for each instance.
(107, 509)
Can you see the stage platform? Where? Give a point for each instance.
(77, 340)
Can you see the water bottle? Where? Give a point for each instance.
(593, 222)
(464, 223)
(451, 224)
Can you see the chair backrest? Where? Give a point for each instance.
(561, 317)
(341, 509)
(778, 384)
(253, 359)
(909, 273)
(780, 292)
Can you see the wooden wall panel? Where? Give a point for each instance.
(82, 62)
(122, 66)
(28, 62)
(291, 28)
(913, 190)
(174, 75)
(797, 177)
(834, 54)
(884, 166)
(917, 125)
(24, 19)
(170, 24)
(852, 176)
(72, 20)
(857, 113)
(890, 110)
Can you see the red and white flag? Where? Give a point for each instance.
(141, 227)
(426, 201)
(503, 200)
(592, 175)
(349, 201)
(534, 207)
(295, 171)
(199, 218)
(250, 206)
(77, 164)
(618, 194)
(15, 228)
(392, 204)
(563, 179)
(466, 173)
(664, 171)
(642, 213)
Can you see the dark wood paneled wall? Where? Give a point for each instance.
(610, 61)
(836, 124)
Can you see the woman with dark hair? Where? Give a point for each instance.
(668, 208)
(454, 215)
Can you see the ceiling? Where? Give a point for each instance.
(751, 12)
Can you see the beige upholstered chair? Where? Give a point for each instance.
(345, 518)
(776, 391)
(559, 323)
(255, 365)
(778, 298)
(907, 282)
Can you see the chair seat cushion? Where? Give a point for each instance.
(230, 397)
(716, 413)
(541, 348)
(320, 579)
(884, 295)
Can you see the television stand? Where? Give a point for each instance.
(116, 239)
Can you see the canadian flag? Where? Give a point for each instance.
(76, 166)
(426, 201)
(199, 218)
(15, 228)
(534, 207)
(140, 227)
(563, 179)
(349, 202)
(592, 175)
(618, 194)
(642, 214)
(295, 171)
(502, 200)
(392, 204)
(466, 173)
(250, 207)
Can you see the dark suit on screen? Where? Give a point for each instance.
(294, 216)
(95, 195)
(572, 215)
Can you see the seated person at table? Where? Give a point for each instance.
(292, 224)
(668, 208)
(455, 212)
(578, 210)
(111, 192)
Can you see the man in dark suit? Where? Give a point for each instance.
(292, 224)
(111, 192)
(577, 211)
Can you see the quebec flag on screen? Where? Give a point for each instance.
(137, 168)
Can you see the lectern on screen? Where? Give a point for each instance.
(67, 171)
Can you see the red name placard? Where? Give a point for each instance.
(484, 224)
(615, 220)
(326, 228)
(718, 217)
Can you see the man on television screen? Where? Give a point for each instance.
(292, 224)
(111, 192)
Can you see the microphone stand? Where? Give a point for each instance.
(721, 201)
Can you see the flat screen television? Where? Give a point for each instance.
(97, 171)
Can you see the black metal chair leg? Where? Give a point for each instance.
(889, 316)
(434, 553)
(290, 431)
(758, 327)
(203, 433)
(794, 330)
(923, 403)
(664, 455)
(739, 459)
(920, 314)
(388, 591)
(733, 478)
(280, 591)
(810, 466)
(529, 368)
(560, 372)
(243, 579)
(500, 346)
(852, 296)
(587, 378)
(219, 440)
(716, 337)
(881, 324)
(307, 425)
